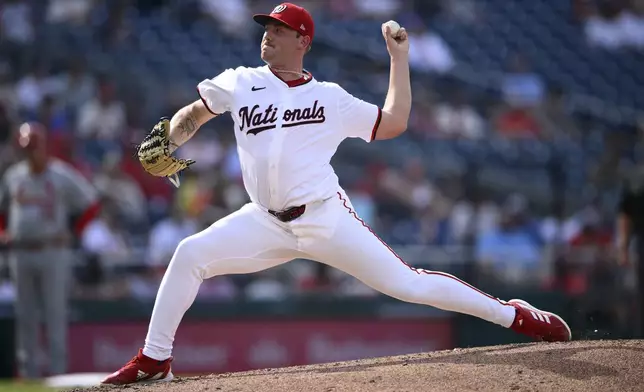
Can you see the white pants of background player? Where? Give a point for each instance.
(250, 240)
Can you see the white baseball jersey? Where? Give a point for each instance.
(286, 136)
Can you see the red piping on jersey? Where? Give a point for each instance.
(86, 217)
(205, 104)
(3, 223)
(416, 270)
(376, 125)
(297, 82)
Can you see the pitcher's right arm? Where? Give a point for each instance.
(216, 97)
(185, 123)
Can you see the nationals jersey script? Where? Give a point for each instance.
(286, 136)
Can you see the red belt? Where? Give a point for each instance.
(290, 214)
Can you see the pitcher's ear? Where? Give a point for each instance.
(306, 41)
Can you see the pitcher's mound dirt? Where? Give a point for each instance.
(575, 366)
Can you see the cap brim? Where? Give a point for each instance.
(263, 19)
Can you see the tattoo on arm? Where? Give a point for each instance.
(183, 126)
(188, 126)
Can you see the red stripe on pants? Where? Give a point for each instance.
(416, 270)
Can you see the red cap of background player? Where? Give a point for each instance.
(291, 15)
(31, 135)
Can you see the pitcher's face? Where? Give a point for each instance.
(280, 43)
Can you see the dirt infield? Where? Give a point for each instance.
(576, 366)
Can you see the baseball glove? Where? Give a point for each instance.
(154, 154)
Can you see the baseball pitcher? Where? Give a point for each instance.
(288, 125)
(39, 197)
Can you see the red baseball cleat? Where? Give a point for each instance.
(538, 324)
(141, 369)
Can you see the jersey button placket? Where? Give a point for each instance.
(274, 153)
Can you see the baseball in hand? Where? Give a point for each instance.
(394, 27)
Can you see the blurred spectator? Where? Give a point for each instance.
(52, 115)
(516, 122)
(7, 288)
(204, 149)
(267, 285)
(101, 123)
(592, 235)
(377, 9)
(464, 11)
(220, 288)
(422, 124)
(102, 117)
(69, 11)
(427, 227)
(319, 281)
(457, 119)
(95, 282)
(231, 15)
(561, 229)
(551, 227)
(198, 192)
(521, 87)
(611, 26)
(34, 87)
(145, 284)
(8, 93)
(16, 31)
(7, 291)
(428, 52)
(487, 216)
(512, 250)
(78, 86)
(341, 9)
(121, 190)
(588, 250)
(411, 188)
(166, 235)
(6, 125)
(17, 26)
(104, 237)
(115, 28)
(554, 117)
(462, 221)
(8, 153)
(582, 9)
(604, 27)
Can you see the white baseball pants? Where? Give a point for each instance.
(251, 240)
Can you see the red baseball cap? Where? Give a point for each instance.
(31, 135)
(293, 16)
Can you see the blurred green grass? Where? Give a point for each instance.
(9, 386)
